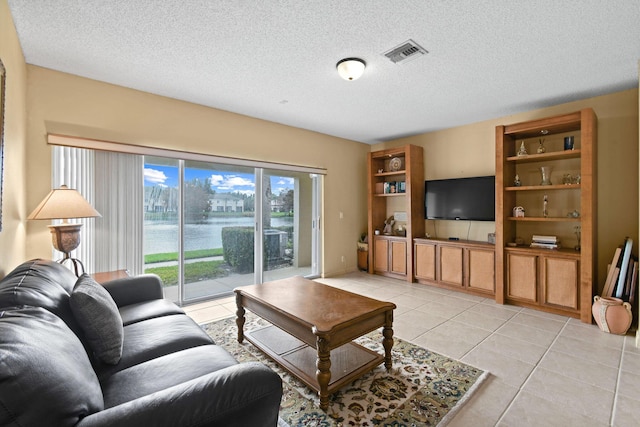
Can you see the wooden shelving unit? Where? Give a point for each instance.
(392, 255)
(558, 281)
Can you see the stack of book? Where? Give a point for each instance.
(545, 242)
(392, 187)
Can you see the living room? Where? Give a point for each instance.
(41, 101)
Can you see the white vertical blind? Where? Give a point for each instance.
(119, 198)
(113, 184)
(74, 168)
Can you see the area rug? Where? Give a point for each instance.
(422, 389)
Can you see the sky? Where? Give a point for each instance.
(221, 182)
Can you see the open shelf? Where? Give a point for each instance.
(551, 125)
(544, 187)
(390, 173)
(554, 155)
(561, 251)
(544, 219)
(389, 194)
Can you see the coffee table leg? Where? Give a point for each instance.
(240, 318)
(387, 340)
(323, 374)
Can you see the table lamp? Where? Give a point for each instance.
(65, 203)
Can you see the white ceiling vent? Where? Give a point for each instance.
(408, 50)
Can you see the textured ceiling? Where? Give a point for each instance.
(275, 60)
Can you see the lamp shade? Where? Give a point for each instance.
(63, 203)
(350, 68)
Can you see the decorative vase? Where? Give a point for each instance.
(612, 314)
(545, 172)
(523, 150)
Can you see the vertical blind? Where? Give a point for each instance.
(120, 200)
(74, 168)
(113, 184)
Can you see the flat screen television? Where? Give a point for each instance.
(471, 199)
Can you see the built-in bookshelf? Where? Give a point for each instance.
(557, 202)
(395, 189)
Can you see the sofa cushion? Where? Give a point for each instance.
(164, 372)
(99, 318)
(153, 338)
(138, 312)
(45, 373)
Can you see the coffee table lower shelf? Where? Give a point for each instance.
(348, 362)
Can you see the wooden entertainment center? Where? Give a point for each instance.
(559, 280)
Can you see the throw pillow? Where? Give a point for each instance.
(98, 316)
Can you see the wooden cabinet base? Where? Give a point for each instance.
(390, 256)
(545, 279)
(461, 265)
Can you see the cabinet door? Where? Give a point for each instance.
(381, 255)
(522, 276)
(398, 257)
(481, 270)
(451, 265)
(560, 281)
(425, 263)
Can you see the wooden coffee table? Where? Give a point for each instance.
(315, 325)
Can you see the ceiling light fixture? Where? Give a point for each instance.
(350, 68)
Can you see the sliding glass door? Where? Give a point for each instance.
(219, 227)
(288, 224)
(202, 219)
(162, 222)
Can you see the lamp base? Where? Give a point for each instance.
(65, 238)
(75, 265)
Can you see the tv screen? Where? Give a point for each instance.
(461, 198)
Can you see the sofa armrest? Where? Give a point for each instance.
(132, 290)
(246, 394)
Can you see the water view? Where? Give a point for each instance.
(161, 236)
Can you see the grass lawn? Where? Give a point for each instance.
(194, 271)
(173, 256)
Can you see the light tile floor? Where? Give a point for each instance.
(546, 370)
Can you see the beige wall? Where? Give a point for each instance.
(13, 234)
(63, 103)
(470, 151)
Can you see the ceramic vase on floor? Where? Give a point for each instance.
(612, 314)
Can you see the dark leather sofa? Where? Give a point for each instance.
(169, 372)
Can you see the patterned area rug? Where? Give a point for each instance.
(422, 389)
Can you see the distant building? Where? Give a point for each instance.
(282, 202)
(276, 204)
(225, 202)
(160, 199)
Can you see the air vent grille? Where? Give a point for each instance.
(405, 51)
